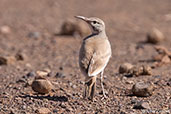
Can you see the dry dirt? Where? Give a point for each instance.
(127, 22)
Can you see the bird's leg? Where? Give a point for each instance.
(93, 89)
(88, 85)
(101, 81)
(85, 91)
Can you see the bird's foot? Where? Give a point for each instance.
(104, 97)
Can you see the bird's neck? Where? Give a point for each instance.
(101, 33)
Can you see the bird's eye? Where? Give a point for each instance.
(94, 22)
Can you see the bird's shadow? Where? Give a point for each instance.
(147, 61)
(53, 98)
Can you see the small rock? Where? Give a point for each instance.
(72, 27)
(43, 111)
(133, 101)
(5, 60)
(136, 71)
(61, 68)
(155, 36)
(28, 83)
(74, 86)
(142, 89)
(62, 105)
(166, 59)
(169, 82)
(42, 85)
(59, 75)
(20, 56)
(55, 111)
(47, 70)
(68, 27)
(161, 50)
(44, 72)
(11, 60)
(157, 58)
(24, 107)
(122, 112)
(5, 29)
(125, 68)
(28, 65)
(141, 105)
(31, 74)
(34, 35)
(21, 81)
(146, 70)
(41, 73)
(12, 111)
(142, 70)
(129, 82)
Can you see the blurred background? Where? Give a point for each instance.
(43, 34)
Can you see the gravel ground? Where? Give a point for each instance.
(28, 27)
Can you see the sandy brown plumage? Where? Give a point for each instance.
(94, 55)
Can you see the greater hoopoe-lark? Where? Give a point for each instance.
(94, 55)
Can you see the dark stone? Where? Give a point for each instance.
(3, 61)
(34, 35)
(59, 75)
(141, 105)
(31, 74)
(142, 89)
(21, 81)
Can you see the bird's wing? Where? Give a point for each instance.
(97, 63)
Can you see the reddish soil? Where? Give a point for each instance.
(127, 23)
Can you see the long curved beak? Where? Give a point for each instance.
(82, 18)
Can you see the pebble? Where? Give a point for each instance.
(20, 56)
(24, 107)
(55, 111)
(122, 112)
(73, 27)
(146, 70)
(12, 111)
(141, 105)
(5, 60)
(43, 110)
(129, 82)
(133, 101)
(142, 89)
(169, 82)
(44, 72)
(41, 73)
(74, 86)
(33, 35)
(42, 86)
(21, 81)
(142, 70)
(5, 29)
(60, 75)
(31, 74)
(68, 27)
(125, 68)
(155, 36)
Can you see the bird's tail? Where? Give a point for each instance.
(90, 87)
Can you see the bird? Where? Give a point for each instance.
(94, 55)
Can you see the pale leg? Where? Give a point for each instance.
(101, 81)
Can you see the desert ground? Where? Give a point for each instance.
(31, 28)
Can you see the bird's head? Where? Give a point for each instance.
(96, 24)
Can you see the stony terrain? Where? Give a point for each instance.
(30, 27)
